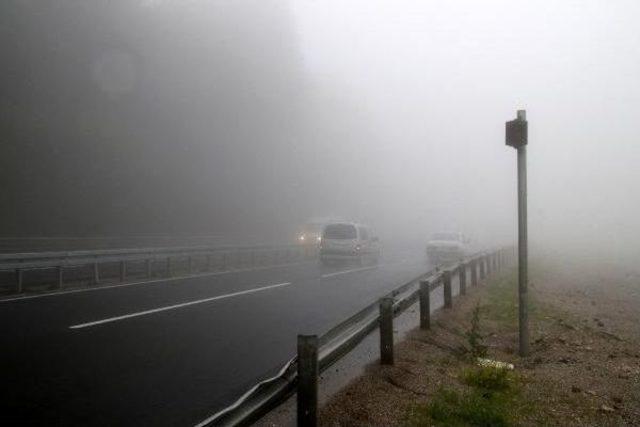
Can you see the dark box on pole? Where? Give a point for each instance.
(516, 133)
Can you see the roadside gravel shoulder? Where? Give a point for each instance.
(584, 367)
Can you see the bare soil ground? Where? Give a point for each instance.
(583, 368)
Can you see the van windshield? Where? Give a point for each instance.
(340, 231)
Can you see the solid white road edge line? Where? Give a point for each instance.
(337, 273)
(172, 307)
(146, 282)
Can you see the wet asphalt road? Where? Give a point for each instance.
(172, 352)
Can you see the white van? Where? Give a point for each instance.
(348, 241)
(447, 247)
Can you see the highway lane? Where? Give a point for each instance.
(174, 366)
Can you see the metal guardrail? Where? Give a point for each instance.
(341, 339)
(224, 257)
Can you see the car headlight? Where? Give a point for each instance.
(301, 238)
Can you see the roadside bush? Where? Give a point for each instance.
(474, 337)
(450, 408)
(488, 378)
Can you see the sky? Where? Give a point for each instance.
(250, 117)
(441, 77)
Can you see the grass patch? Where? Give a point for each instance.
(502, 297)
(502, 301)
(488, 378)
(491, 399)
(449, 407)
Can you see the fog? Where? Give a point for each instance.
(249, 117)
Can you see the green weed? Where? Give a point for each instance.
(488, 378)
(452, 408)
(474, 337)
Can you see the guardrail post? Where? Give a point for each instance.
(148, 268)
(123, 270)
(425, 304)
(446, 281)
(386, 331)
(18, 280)
(462, 274)
(482, 272)
(488, 260)
(307, 396)
(60, 277)
(474, 273)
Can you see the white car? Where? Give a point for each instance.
(447, 247)
(348, 242)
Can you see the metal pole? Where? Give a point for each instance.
(307, 396)
(522, 245)
(482, 273)
(425, 304)
(386, 331)
(446, 281)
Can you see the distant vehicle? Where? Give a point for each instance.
(447, 247)
(349, 242)
(311, 233)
